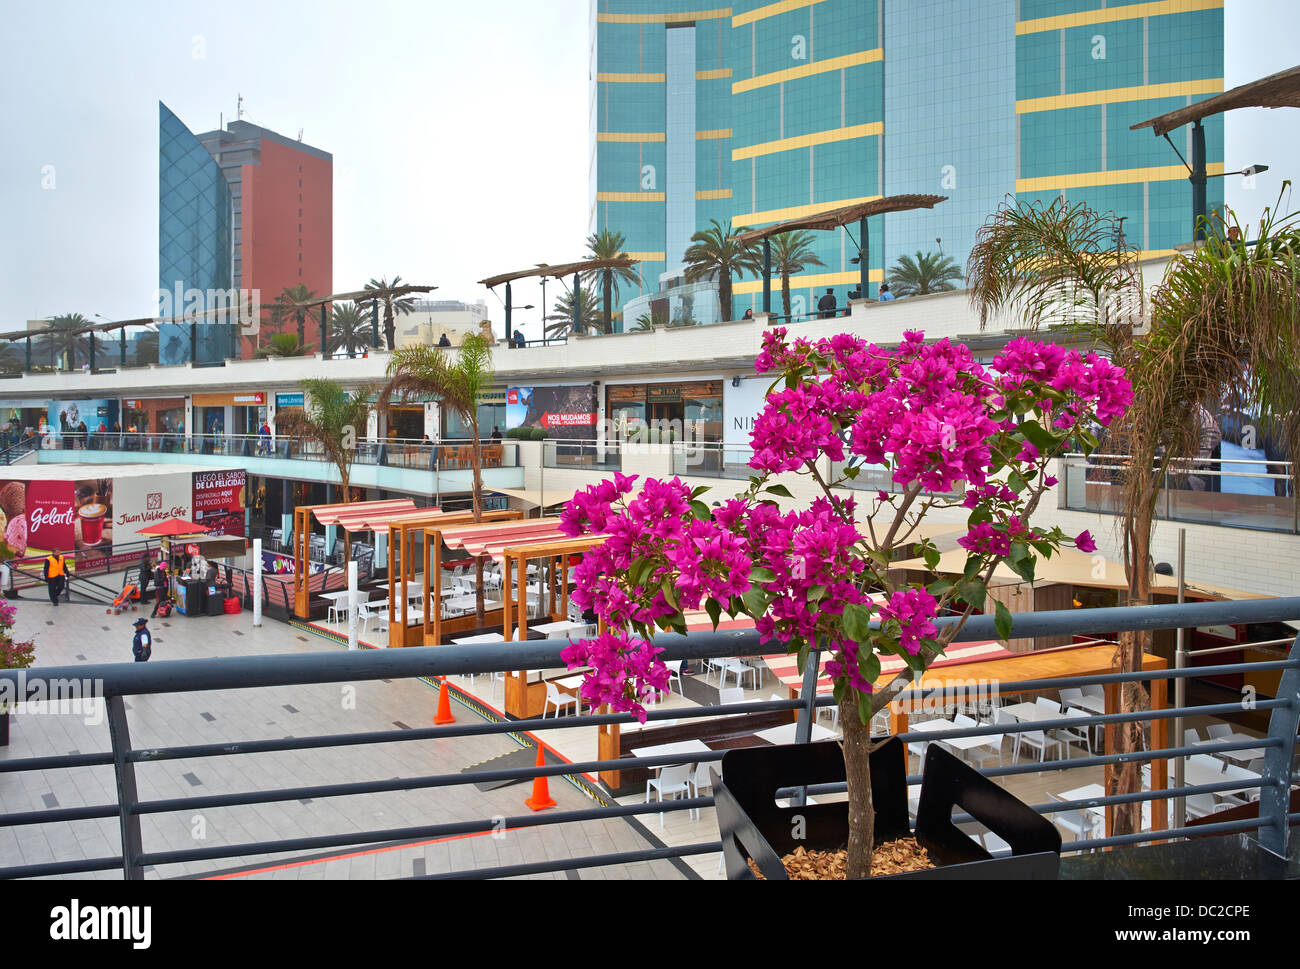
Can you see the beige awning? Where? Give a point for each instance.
(1072, 567)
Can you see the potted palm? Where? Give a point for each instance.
(950, 433)
(14, 655)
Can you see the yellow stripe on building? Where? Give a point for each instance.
(807, 281)
(1142, 92)
(710, 194)
(717, 74)
(771, 10)
(629, 196)
(630, 136)
(795, 212)
(647, 256)
(632, 78)
(1120, 176)
(713, 134)
(808, 140)
(1133, 11)
(663, 18)
(808, 70)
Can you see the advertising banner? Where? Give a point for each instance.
(67, 417)
(70, 516)
(219, 501)
(142, 501)
(565, 412)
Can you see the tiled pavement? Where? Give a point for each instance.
(83, 635)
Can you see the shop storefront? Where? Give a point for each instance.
(491, 413)
(77, 423)
(406, 423)
(690, 411)
(19, 419)
(221, 414)
(153, 415)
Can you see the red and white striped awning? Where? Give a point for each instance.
(353, 516)
(494, 539)
(786, 666)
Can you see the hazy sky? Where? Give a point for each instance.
(459, 133)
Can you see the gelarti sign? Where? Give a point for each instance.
(51, 516)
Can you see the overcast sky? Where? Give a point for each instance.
(459, 133)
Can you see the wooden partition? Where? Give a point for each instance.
(434, 627)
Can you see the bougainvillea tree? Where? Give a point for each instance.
(947, 432)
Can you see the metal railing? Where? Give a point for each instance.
(119, 682)
(1232, 492)
(713, 460)
(581, 455)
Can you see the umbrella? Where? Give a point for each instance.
(173, 527)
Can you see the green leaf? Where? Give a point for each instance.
(803, 657)
(857, 622)
(972, 591)
(869, 665)
(1002, 621)
(838, 690)
(939, 587)
(759, 576)
(973, 563)
(702, 489)
(756, 602)
(816, 593)
(714, 609)
(1025, 567)
(931, 555)
(670, 594)
(1017, 483)
(1039, 436)
(852, 473)
(701, 511)
(779, 490)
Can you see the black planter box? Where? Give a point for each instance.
(754, 826)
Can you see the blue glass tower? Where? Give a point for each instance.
(194, 243)
(802, 106)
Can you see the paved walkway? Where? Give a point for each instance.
(75, 634)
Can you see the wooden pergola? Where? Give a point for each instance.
(574, 269)
(467, 536)
(828, 222)
(351, 516)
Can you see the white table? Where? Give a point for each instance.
(485, 638)
(1091, 792)
(340, 600)
(1204, 769)
(1090, 702)
(1236, 756)
(563, 626)
(785, 734)
(1031, 711)
(681, 747)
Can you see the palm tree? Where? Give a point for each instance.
(560, 320)
(1222, 327)
(333, 419)
(930, 272)
(421, 373)
(64, 342)
(12, 358)
(608, 245)
(286, 305)
(284, 345)
(146, 348)
(349, 329)
(393, 306)
(716, 254)
(792, 253)
(644, 322)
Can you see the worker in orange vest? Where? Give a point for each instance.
(56, 575)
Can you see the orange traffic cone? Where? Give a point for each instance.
(444, 706)
(541, 799)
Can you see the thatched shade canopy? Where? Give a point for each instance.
(366, 295)
(568, 269)
(826, 221)
(1280, 90)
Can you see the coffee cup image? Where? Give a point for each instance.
(92, 522)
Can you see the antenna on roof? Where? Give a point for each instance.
(300, 134)
(239, 107)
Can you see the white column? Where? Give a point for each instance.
(352, 604)
(257, 583)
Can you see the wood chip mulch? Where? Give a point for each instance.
(887, 859)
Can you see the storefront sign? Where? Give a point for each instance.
(50, 521)
(740, 408)
(219, 501)
(229, 400)
(67, 416)
(566, 412)
(290, 400)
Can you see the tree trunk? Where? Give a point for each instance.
(857, 766)
(608, 300)
(724, 295)
(302, 331)
(785, 295)
(390, 329)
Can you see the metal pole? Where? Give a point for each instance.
(1180, 684)
(577, 303)
(767, 275)
(29, 354)
(257, 583)
(864, 253)
(1198, 179)
(92, 351)
(807, 712)
(374, 324)
(510, 334)
(324, 325)
(122, 347)
(609, 324)
(352, 604)
(127, 796)
(194, 341)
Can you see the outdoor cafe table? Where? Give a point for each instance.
(475, 640)
(785, 734)
(1031, 711)
(681, 747)
(1204, 769)
(1236, 756)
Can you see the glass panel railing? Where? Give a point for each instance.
(581, 455)
(713, 460)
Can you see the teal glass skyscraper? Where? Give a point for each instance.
(765, 111)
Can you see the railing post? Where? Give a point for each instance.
(257, 583)
(1180, 684)
(124, 771)
(1275, 788)
(807, 712)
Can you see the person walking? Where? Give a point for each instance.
(146, 573)
(826, 305)
(161, 585)
(142, 645)
(56, 575)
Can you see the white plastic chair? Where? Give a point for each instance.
(734, 695)
(674, 673)
(559, 700)
(672, 781)
(1220, 731)
(1074, 735)
(700, 780)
